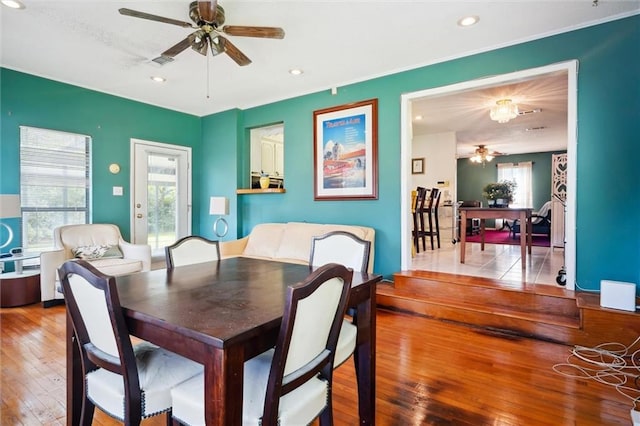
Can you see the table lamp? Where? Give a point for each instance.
(9, 208)
(219, 206)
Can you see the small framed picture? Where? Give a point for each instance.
(417, 166)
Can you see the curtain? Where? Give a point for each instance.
(521, 173)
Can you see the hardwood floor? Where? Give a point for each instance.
(429, 372)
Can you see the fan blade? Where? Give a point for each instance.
(235, 53)
(180, 46)
(207, 10)
(136, 14)
(263, 32)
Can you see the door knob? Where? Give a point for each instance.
(139, 215)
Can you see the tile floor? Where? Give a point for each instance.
(496, 261)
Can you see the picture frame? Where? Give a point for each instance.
(417, 166)
(345, 152)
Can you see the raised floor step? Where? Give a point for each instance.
(542, 312)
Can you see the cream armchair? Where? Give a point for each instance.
(100, 244)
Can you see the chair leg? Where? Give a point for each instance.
(422, 231)
(416, 240)
(326, 417)
(431, 230)
(88, 409)
(437, 228)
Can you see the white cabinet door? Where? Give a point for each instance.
(268, 157)
(279, 159)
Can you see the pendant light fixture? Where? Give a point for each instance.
(503, 111)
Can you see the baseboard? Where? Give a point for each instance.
(53, 302)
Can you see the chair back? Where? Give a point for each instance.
(191, 249)
(102, 335)
(68, 237)
(421, 198)
(308, 335)
(340, 247)
(434, 199)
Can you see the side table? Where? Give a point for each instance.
(19, 289)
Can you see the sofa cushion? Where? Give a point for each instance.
(264, 240)
(117, 267)
(296, 239)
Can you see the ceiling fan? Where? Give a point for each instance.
(208, 17)
(482, 155)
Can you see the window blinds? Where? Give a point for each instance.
(54, 169)
(55, 183)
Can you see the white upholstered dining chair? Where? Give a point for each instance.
(353, 252)
(127, 382)
(290, 384)
(192, 249)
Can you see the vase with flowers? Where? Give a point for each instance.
(499, 194)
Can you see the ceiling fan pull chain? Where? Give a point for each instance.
(208, 76)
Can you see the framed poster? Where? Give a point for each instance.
(345, 152)
(417, 166)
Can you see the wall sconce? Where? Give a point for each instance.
(9, 208)
(219, 206)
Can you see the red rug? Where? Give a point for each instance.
(504, 237)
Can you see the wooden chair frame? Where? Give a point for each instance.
(366, 247)
(322, 366)
(185, 240)
(92, 357)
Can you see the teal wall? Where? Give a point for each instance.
(109, 120)
(608, 234)
(608, 192)
(472, 177)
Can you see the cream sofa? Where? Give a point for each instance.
(289, 242)
(90, 242)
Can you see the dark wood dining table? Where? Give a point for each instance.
(221, 314)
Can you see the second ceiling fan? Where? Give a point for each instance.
(208, 18)
(482, 155)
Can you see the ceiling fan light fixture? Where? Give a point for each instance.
(13, 4)
(482, 155)
(503, 111)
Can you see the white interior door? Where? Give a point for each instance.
(161, 196)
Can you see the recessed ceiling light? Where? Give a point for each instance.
(13, 4)
(467, 21)
(158, 79)
(295, 71)
(418, 117)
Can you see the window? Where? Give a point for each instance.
(520, 173)
(54, 183)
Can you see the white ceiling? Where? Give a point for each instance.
(89, 44)
(540, 127)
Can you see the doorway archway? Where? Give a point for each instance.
(407, 100)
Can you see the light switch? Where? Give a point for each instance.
(118, 191)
